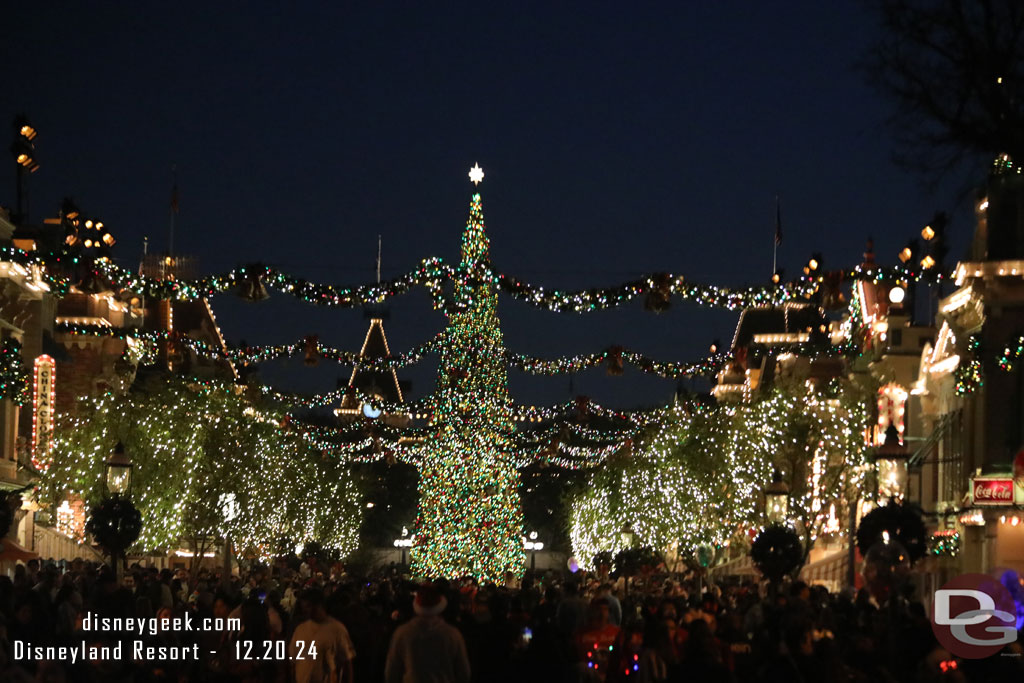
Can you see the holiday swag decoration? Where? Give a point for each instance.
(14, 384)
(470, 518)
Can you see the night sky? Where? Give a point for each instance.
(618, 139)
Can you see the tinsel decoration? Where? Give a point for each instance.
(902, 522)
(14, 376)
(311, 353)
(114, 524)
(777, 551)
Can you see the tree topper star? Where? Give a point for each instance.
(476, 174)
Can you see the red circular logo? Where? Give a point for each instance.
(974, 616)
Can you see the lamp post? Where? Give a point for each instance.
(229, 511)
(891, 465)
(23, 150)
(627, 536)
(119, 471)
(533, 545)
(776, 499)
(404, 543)
(115, 523)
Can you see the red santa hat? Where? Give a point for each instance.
(428, 602)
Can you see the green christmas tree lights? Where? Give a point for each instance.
(470, 520)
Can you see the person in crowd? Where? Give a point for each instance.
(332, 661)
(427, 649)
(554, 628)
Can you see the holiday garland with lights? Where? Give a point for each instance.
(14, 377)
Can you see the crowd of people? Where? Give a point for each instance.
(307, 623)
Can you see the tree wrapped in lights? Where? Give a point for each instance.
(470, 519)
(698, 476)
(688, 484)
(191, 448)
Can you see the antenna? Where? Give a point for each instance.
(378, 258)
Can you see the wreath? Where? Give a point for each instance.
(777, 551)
(902, 522)
(633, 561)
(114, 524)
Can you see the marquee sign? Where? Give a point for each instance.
(44, 398)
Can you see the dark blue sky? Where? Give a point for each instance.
(617, 139)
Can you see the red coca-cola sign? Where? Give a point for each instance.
(993, 491)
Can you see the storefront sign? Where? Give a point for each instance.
(992, 491)
(43, 404)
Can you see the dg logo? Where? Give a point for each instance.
(974, 616)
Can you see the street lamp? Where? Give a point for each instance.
(776, 499)
(23, 150)
(403, 543)
(627, 536)
(891, 462)
(533, 545)
(119, 471)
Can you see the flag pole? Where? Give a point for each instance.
(778, 236)
(174, 208)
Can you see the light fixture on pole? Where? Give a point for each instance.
(627, 536)
(119, 471)
(776, 499)
(533, 545)
(403, 543)
(891, 465)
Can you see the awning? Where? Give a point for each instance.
(11, 551)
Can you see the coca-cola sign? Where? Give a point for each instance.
(993, 491)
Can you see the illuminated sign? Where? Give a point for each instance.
(44, 397)
(992, 491)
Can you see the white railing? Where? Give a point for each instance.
(50, 543)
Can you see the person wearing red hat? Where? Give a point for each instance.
(427, 648)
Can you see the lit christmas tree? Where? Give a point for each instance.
(470, 520)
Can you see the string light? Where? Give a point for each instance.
(697, 477)
(190, 447)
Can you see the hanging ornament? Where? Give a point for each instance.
(312, 350)
(175, 353)
(250, 284)
(659, 297)
(582, 408)
(614, 361)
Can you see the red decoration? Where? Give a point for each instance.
(312, 352)
(614, 361)
(582, 407)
